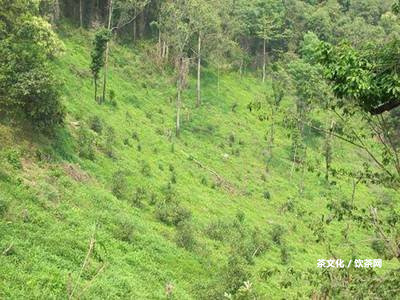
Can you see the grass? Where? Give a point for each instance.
(54, 201)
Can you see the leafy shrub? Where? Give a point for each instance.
(96, 124)
(170, 211)
(135, 136)
(127, 142)
(249, 243)
(153, 198)
(379, 247)
(277, 234)
(232, 138)
(119, 185)
(13, 158)
(267, 195)
(28, 84)
(111, 94)
(85, 143)
(139, 196)
(240, 216)
(218, 230)
(185, 236)
(110, 138)
(173, 178)
(125, 231)
(235, 274)
(3, 206)
(145, 169)
(285, 255)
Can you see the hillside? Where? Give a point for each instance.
(115, 206)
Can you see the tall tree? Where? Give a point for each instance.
(175, 26)
(98, 56)
(128, 11)
(268, 24)
(204, 23)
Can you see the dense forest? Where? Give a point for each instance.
(197, 149)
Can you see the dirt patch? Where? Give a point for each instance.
(75, 172)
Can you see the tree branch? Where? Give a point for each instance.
(384, 107)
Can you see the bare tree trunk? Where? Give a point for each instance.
(199, 71)
(80, 14)
(264, 60)
(218, 79)
(95, 90)
(164, 50)
(107, 52)
(178, 111)
(328, 150)
(272, 132)
(134, 28)
(56, 10)
(159, 46)
(179, 100)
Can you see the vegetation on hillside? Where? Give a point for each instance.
(231, 146)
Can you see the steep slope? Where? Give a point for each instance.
(94, 211)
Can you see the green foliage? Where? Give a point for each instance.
(185, 236)
(119, 185)
(86, 141)
(368, 78)
(27, 83)
(139, 196)
(98, 54)
(3, 206)
(109, 141)
(277, 234)
(125, 231)
(96, 124)
(170, 211)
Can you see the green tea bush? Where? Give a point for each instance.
(86, 141)
(185, 236)
(13, 158)
(110, 138)
(285, 254)
(3, 206)
(96, 124)
(119, 184)
(172, 213)
(170, 210)
(277, 234)
(218, 230)
(125, 231)
(139, 196)
(145, 169)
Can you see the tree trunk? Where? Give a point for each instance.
(264, 60)
(328, 151)
(80, 14)
(107, 52)
(134, 28)
(199, 71)
(179, 100)
(56, 11)
(178, 111)
(218, 79)
(159, 46)
(95, 90)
